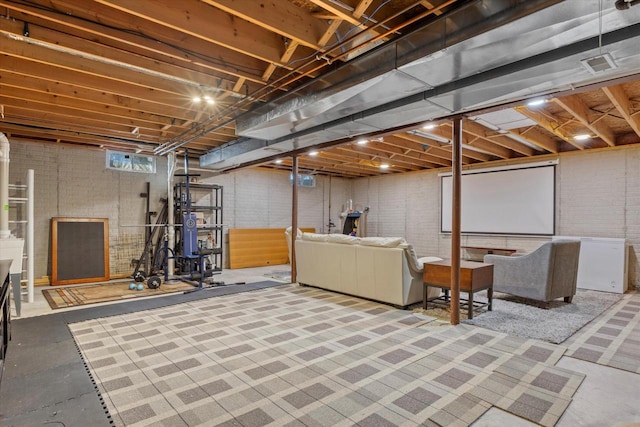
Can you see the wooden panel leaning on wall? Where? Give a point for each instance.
(257, 247)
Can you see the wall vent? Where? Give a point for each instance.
(598, 64)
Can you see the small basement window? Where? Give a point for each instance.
(304, 180)
(131, 162)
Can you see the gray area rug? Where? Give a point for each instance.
(552, 322)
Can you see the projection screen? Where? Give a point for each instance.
(510, 201)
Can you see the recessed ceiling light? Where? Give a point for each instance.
(362, 141)
(210, 101)
(313, 153)
(429, 126)
(278, 161)
(582, 137)
(536, 102)
(384, 166)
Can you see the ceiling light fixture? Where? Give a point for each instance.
(384, 166)
(536, 102)
(582, 137)
(362, 141)
(429, 126)
(206, 98)
(313, 153)
(278, 161)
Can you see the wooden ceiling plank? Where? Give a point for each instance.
(374, 151)
(318, 163)
(228, 62)
(286, 166)
(391, 145)
(14, 86)
(53, 103)
(208, 23)
(291, 47)
(621, 101)
(116, 74)
(551, 126)
(539, 140)
(574, 105)
(491, 136)
(63, 135)
(128, 95)
(86, 128)
(429, 5)
(326, 37)
(479, 143)
(120, 58)
(278, 16)
(420, 146)
(338, 11)
(443, 150)
(361, 8)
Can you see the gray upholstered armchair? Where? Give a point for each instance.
(545, 274)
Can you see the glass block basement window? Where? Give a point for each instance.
(131, 162)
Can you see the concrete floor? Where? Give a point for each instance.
(607, 397)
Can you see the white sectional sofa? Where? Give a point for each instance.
(383, 269)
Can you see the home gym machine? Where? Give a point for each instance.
(195, 258)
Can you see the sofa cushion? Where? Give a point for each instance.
(314, 237)
(383, 242)
(343, 238)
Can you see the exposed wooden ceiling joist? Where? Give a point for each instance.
(90, 76)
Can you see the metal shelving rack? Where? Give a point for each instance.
(205, 200)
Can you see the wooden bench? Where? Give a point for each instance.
(258, 247)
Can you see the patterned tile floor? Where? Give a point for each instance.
(613, 339)
(292, 356)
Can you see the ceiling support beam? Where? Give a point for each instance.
(550, 125)
(574, 105)
(622, 103)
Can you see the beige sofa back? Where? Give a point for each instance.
(354, 267)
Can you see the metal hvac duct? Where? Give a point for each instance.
(484, 54)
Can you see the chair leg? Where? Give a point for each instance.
(568, 299)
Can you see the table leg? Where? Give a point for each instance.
(425, 289)
(470, 308)
(490, 297)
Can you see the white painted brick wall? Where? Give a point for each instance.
(597, 195)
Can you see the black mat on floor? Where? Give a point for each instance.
(45, 380)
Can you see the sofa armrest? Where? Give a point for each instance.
(526, 275)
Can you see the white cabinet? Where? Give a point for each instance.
(603, 263)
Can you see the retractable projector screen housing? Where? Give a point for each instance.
(518, 200)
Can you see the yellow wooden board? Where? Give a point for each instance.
(257, 247)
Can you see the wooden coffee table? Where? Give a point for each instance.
(474, 277)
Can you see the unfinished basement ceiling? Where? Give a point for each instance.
(122, 74)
